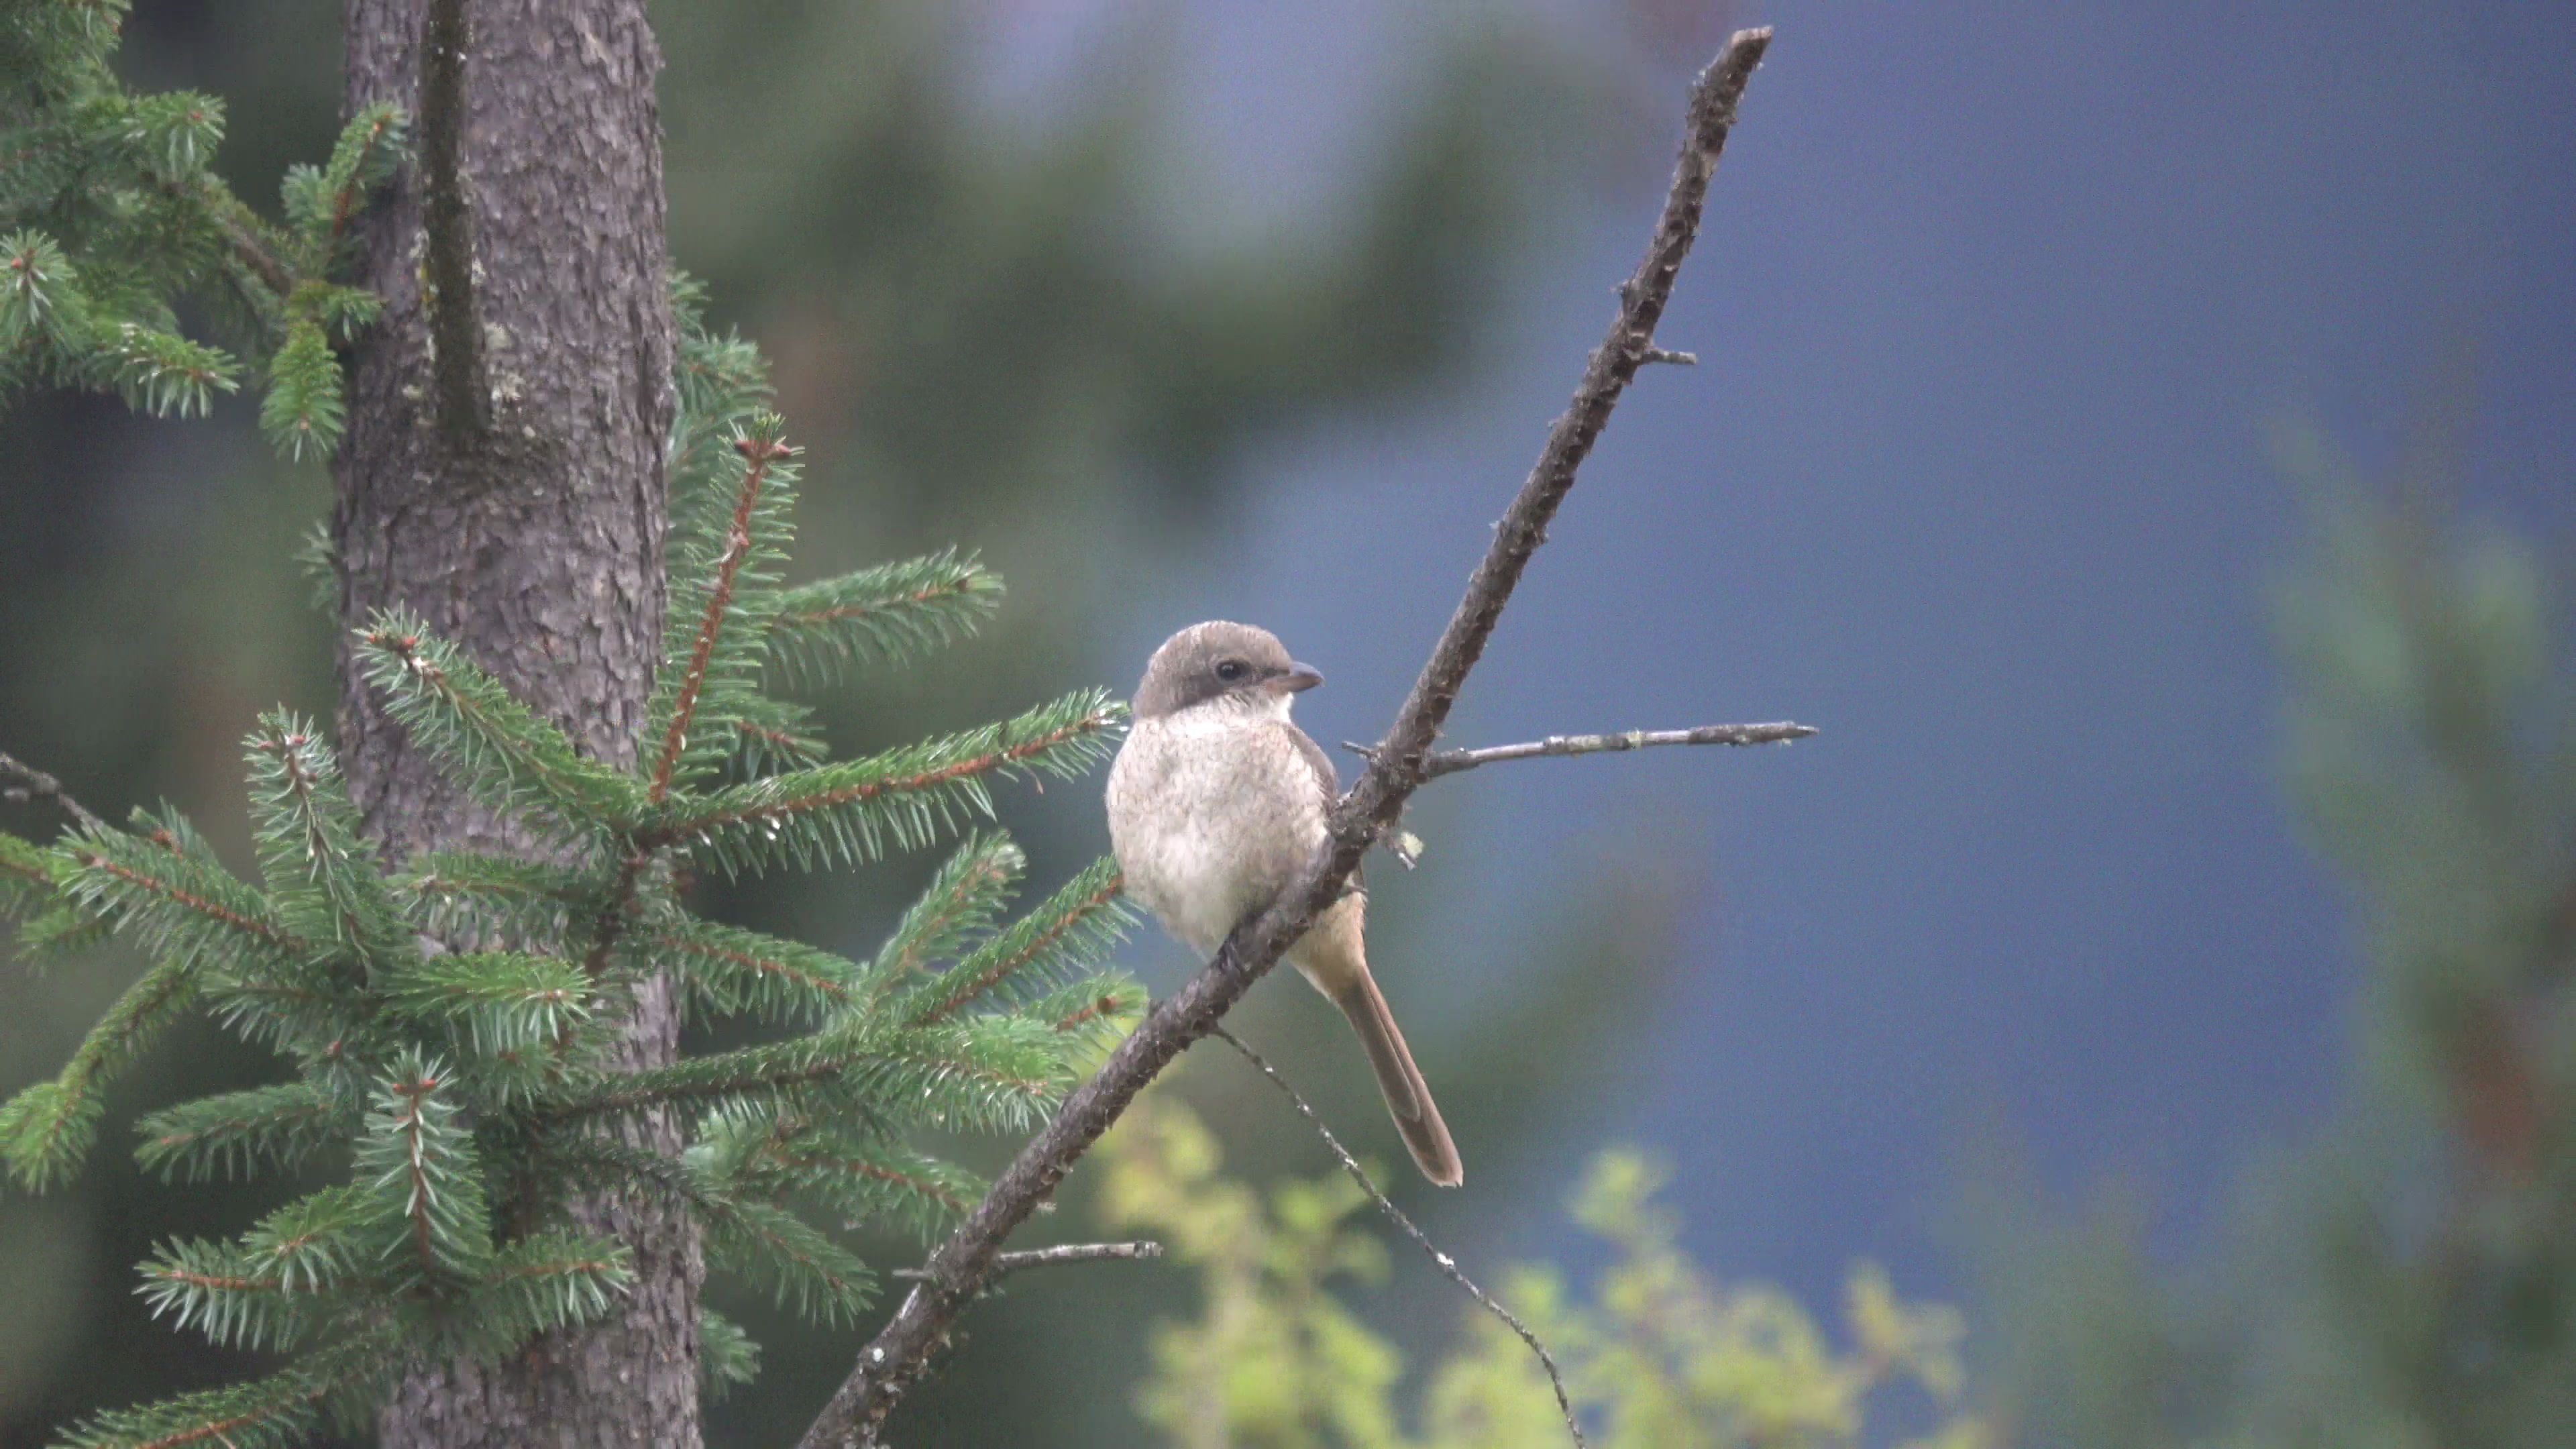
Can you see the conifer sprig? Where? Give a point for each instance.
(449, 1025)
(886, 614)
(495, 899)
(727, 1357)
(326, 882)
(237, 1133)
(961, 901)
(1074, 926)
(517, 761)
(337, 1383)
(754, 504)
(862, 1178)
(111, 219)
(415, 1162)
(46, 1130)
(855, 812)
(732, 971)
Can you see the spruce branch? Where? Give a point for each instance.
(309, 850)
(46, 1130)
(1081, 921)
(960, 901)
(26, 874)
(494, 897)
(491, 1002)
(759, 451)
(517, 760)
(416, 1160)
(753, 1074)
(273, 1286)
(455, 334)
(957, 1270)
(727, 1357)
(854, 811)
(863, 1177)
(1439, 1259)
(363, 157)
(281, 1410)
(888, 612)
(550, 1280)
(734, 970)
(744, 1233)
(236, 1132)
(35, 784)
(1449, 762)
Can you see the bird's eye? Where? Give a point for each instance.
(1229, 670)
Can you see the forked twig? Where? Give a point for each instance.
(35, 784)
(1450, 762)
(1062, 1253)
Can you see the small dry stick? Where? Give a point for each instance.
(35, 784)
(1439, 1259)
(1062, 1253)
(1450, 762)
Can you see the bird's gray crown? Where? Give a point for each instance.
(1216, 660)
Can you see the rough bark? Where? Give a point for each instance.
(525, 522)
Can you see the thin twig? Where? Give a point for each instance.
(901, 1351)
(447, 263)
(35, 784)
(1439, 1259)
(1669, 356)
(1450, 762)
(1062, 1253)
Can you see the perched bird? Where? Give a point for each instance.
(1216, 804)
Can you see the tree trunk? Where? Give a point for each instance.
(527, 527)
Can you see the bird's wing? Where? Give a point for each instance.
(1327, 779)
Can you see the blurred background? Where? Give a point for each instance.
(1258, 311)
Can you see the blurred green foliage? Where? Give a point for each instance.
(1660, 1357)
(2408, 1277)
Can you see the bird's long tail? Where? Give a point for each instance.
(1408, 1100)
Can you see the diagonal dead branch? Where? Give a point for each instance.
(35, 784)
(1439, 1259)
(1450, 762)
(901, 1351)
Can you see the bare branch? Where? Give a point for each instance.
(1439, 1259)
(1667, 355)
(1062, 1253)
(901, 1351)
(35, 784)
(456, 344)
(1450, 762)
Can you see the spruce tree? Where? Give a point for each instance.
(469, 936)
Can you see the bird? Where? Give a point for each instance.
(1217, 802)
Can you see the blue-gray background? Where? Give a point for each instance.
(2001, 311)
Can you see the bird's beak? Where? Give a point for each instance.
(1300, 677)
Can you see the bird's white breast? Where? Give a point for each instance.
(1212, 812)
